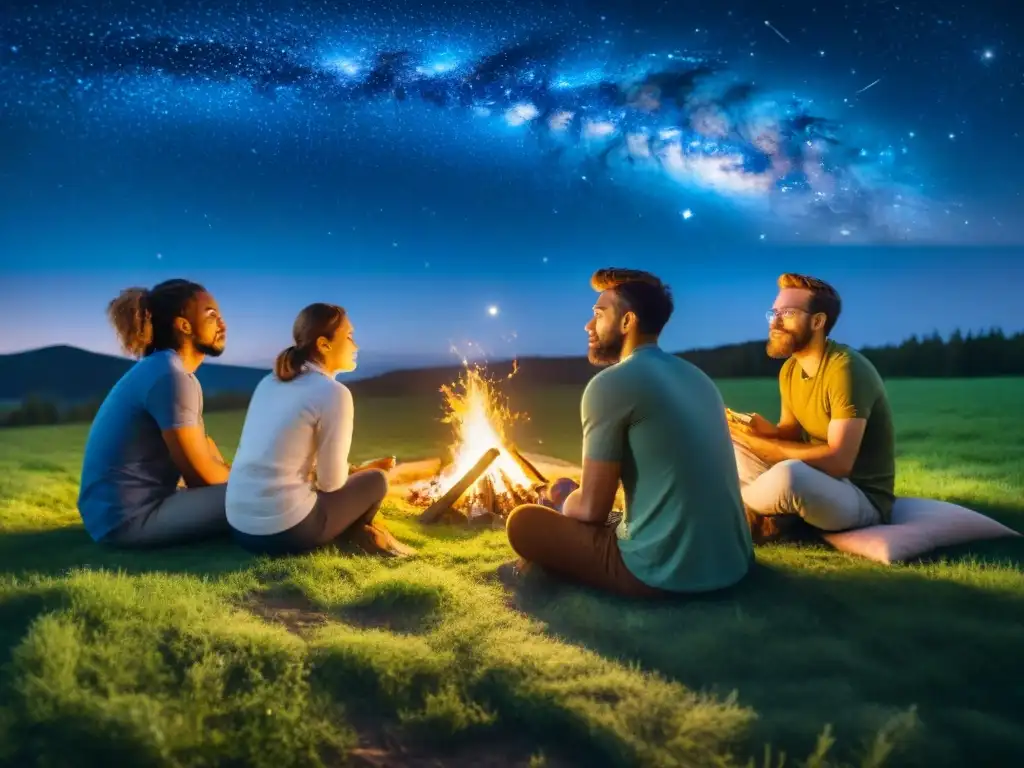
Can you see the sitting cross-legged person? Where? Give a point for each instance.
(830, 461)
(656, 423)
(292, 489)
(149, 437)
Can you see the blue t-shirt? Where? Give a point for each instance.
(127, 469)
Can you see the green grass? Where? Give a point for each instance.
(208, 656)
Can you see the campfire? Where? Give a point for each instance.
(486, 476)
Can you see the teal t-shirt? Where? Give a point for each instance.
(663, 420)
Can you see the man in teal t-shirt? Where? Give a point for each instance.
(656, 423)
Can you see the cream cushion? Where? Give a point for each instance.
(918, 526)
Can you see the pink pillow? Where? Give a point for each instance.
(918, 526)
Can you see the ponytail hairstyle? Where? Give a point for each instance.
(315, 321)
(144, 318)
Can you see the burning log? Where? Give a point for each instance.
(488, 500)
(526, 464)
(443, 504)
(486, 477)
(485, 511)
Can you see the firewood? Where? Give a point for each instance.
(488, 498)
(526, 464)
(448, 500)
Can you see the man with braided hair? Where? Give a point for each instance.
(148, 434)
(656, 423)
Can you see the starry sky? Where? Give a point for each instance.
(452, 172)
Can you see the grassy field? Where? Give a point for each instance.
(208, 656)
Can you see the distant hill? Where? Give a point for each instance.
(373, 363)
(69, 374)
(733, 360)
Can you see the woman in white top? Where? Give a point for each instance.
(291, 488)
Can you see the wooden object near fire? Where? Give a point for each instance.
(432, 513)
(526, 464)
(485, 511)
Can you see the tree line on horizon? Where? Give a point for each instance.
(961, 356)
(987, 354)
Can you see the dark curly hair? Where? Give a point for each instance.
(144, 318)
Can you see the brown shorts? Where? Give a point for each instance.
(587, 553)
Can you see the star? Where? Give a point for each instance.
(235, 74)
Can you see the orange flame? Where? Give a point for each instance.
(479, 418)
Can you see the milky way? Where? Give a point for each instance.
(667, 120)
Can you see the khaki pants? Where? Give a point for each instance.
(586, 553)
(186, 516)
(794, 488)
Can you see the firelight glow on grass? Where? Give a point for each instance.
(205, 655)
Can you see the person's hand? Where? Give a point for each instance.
(753, 424)
(739, 432)
(759, 425)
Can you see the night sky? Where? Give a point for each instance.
(453, 172)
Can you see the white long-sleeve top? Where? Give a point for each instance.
(290, 428)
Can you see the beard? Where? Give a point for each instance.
(783, 344)
(213, 349)
(607, 351)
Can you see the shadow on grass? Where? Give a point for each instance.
(17, 613)
(54, 551)
(1011, 515)
(400, 607)
(1006, 552)
(808, 646)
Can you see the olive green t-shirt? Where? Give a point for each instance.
(847, 386)
(663, 420)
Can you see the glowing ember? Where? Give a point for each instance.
(479, 418)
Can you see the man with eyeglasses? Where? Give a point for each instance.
(830, 460)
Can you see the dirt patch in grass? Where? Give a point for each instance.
(387, 745)
(301, 616)
(383, 747)
(295, 612)
(380, 617)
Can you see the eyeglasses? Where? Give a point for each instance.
(786, 313)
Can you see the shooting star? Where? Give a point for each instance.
(869, 85)
(773, 29)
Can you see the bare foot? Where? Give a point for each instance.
(373, 538)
